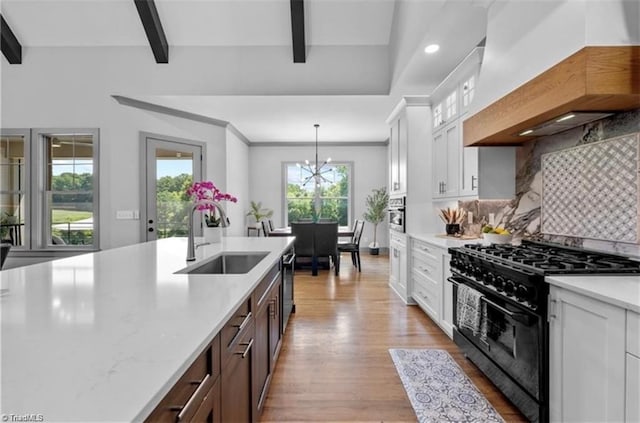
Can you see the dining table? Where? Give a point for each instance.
(343, 231)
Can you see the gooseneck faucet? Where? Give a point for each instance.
(224, 222)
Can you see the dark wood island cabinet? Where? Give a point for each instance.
(229, 380)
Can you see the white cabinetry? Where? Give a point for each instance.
(398, 265)
(398, 156)
(632, 398)
(486, 172)
(429, 269)
(587, 360)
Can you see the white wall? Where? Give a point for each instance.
(237, 182)
(56, 88)
(370, 167)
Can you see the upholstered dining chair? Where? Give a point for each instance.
(325, 244)
(353, 247)
(303, 244)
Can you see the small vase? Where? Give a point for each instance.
(452, 228)
(212, 234)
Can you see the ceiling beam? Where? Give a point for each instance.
(297, 31)
(153, 28)
(9, 44)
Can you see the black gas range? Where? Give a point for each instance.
(512, 349)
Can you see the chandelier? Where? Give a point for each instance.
(316, 171)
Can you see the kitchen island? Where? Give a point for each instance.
(104, 336)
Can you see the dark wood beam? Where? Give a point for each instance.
(297, 31)
(9, 45)
(153, 27)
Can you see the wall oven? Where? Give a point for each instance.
(397, 213)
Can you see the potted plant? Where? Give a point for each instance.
(202, 194)
(377, 203)
(258, 212)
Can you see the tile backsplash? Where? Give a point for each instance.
(522, 215)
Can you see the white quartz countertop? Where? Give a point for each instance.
(104, 336)
(442, 242)
(619, 290)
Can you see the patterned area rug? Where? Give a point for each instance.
(439, 390)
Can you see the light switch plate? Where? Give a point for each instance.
(124, 214)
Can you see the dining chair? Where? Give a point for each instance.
(4, 252)
(303, 244)
(325, 244)
(265, 228)
(271, 227)
(353, 247)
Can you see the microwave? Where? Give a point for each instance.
(397, 213)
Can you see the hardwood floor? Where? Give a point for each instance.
(334, 364)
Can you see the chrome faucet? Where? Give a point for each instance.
(224, 222)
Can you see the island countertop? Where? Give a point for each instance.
(104, 336)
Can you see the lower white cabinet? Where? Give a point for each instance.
(587, 354)
(398, 265)
(429, 269)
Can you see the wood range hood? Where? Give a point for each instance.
(594, 79)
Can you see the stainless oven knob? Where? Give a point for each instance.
(477, 273)
(490, 279)
(500, 283)
(509, 287)
(522, 293)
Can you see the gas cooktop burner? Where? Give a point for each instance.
(551, 258)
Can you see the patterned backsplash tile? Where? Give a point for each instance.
(592, 191)
(522, 215)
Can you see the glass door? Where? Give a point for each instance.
(171, 168)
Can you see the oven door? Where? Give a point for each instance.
(514, 338)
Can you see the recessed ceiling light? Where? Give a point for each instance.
(431, 48)
(567, 117)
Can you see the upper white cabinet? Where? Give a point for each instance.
(487, 172)
(409, 149)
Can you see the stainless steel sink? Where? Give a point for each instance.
(227, 263)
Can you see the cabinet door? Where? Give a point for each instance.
(403, 145)
(452, 136)
(468, 169)
(261, 354)
(394, 173)
(632, 412)
(237, 381)
(447, 297)
(439, 166)
(275, 335)
(586, 359)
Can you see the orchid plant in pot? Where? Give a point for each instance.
(202, 193)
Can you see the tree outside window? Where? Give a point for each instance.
(333, 193)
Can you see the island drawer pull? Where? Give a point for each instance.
(246, 350)
(195, 399)
(244, 322)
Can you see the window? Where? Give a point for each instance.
(49, 189)
(451, 103)
(468, 89)
(13, 186)
(334, 193)
(437, 116)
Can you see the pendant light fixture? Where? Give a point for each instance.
(316, 171)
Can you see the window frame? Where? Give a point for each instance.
(285, 183)
(40, 232)
(26, 134)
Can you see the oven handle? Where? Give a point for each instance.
(518, 317)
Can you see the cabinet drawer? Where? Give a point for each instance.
(260, 293)
(425, 282)
(426, 252)
(191, 391)
(426, 298)
(397, 239)
(240, 320)
(633, 333)
(426, 267)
